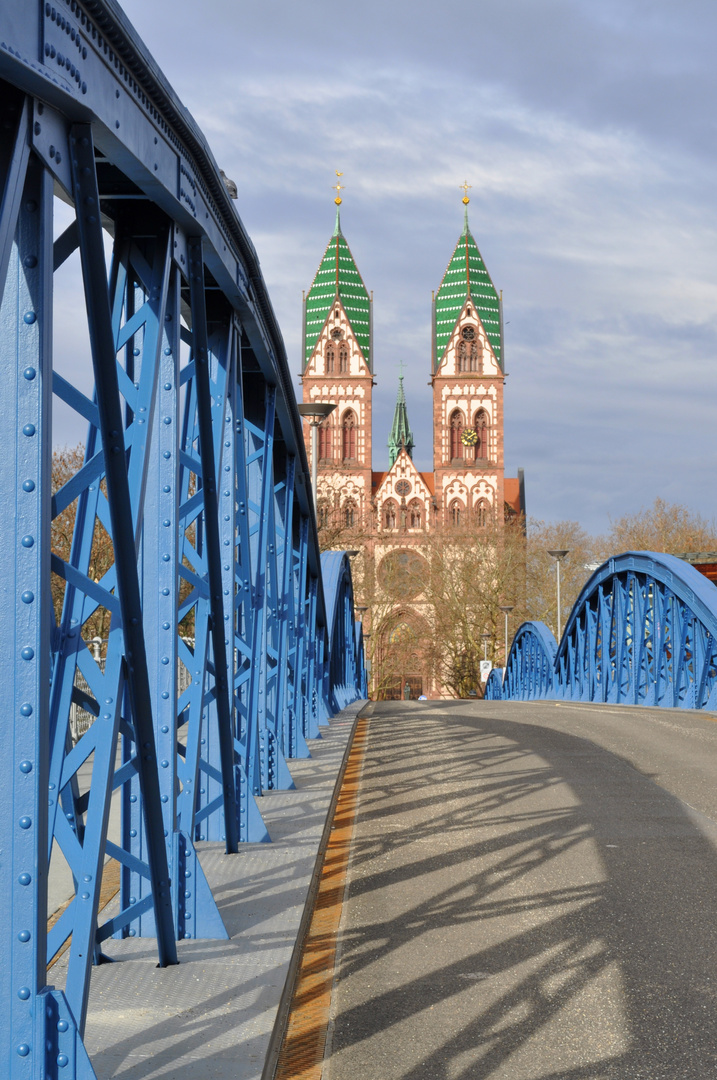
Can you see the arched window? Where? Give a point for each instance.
(350, 514)
(482, 430)
(454, 512)
(323, 513)
(462, 356)
(455, 422)
(389, 514)
(414, 514)
(330, 359)
(343, 359)
(325, 441)
(348, 436)
(482, 513)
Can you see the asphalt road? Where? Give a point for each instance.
(532, 896)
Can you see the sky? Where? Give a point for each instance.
(586, 129)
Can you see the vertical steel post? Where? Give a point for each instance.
(200, 352)
(39, 1032)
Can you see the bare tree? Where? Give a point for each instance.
(430, 606)
(664, 526)
(66, 461)
(585, 552)
(344, 518)
(473, 571)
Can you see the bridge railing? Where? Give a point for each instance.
(194, 479)
(643, 631)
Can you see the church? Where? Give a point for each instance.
(390, 512)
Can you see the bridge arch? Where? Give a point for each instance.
(643, 631)
(530, 671)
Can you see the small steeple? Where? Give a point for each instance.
(465, 188)
(338, 187)
(401, 434)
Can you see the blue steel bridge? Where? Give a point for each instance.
(195, 469)
(643, 631)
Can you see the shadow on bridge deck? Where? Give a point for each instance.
(212, 1016)
(525, 902)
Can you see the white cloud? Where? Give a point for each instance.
(582, 133)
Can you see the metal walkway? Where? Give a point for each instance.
(227, 647)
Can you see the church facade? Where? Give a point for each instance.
(391, 513)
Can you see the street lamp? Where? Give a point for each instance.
(315, 412)
(486, 638)
(559, 555)
(506, 609)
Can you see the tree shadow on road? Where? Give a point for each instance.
(523, 904)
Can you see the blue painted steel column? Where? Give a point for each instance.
(314, 685)
(201, 356)
(39, 1036)
(291, 735)
(260, 484)
(243, 571)
(301, 702)
(234, 547)
(236, 577)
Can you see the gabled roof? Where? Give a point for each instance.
(378, 479)
(338, 275)
(466, 277)
(401, 434)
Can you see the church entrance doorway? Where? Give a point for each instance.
(403, 687)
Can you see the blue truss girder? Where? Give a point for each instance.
(341, 666)
(198, 585)
(642, 632)
(529, 673)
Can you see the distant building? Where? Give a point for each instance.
(394, 509)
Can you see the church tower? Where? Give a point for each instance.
(338, 367)
(467, 378)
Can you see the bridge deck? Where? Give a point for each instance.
(532, 896)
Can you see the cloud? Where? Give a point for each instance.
(587, 133)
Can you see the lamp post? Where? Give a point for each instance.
(486, 638)
(506, 609)
(559, 555)
(315, 412)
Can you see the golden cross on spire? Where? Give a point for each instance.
(465, 188)
(338, 187)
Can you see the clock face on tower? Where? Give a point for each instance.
(469, 437)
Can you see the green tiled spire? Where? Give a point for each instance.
(338, 276)
(401, 434)
(466, 277)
